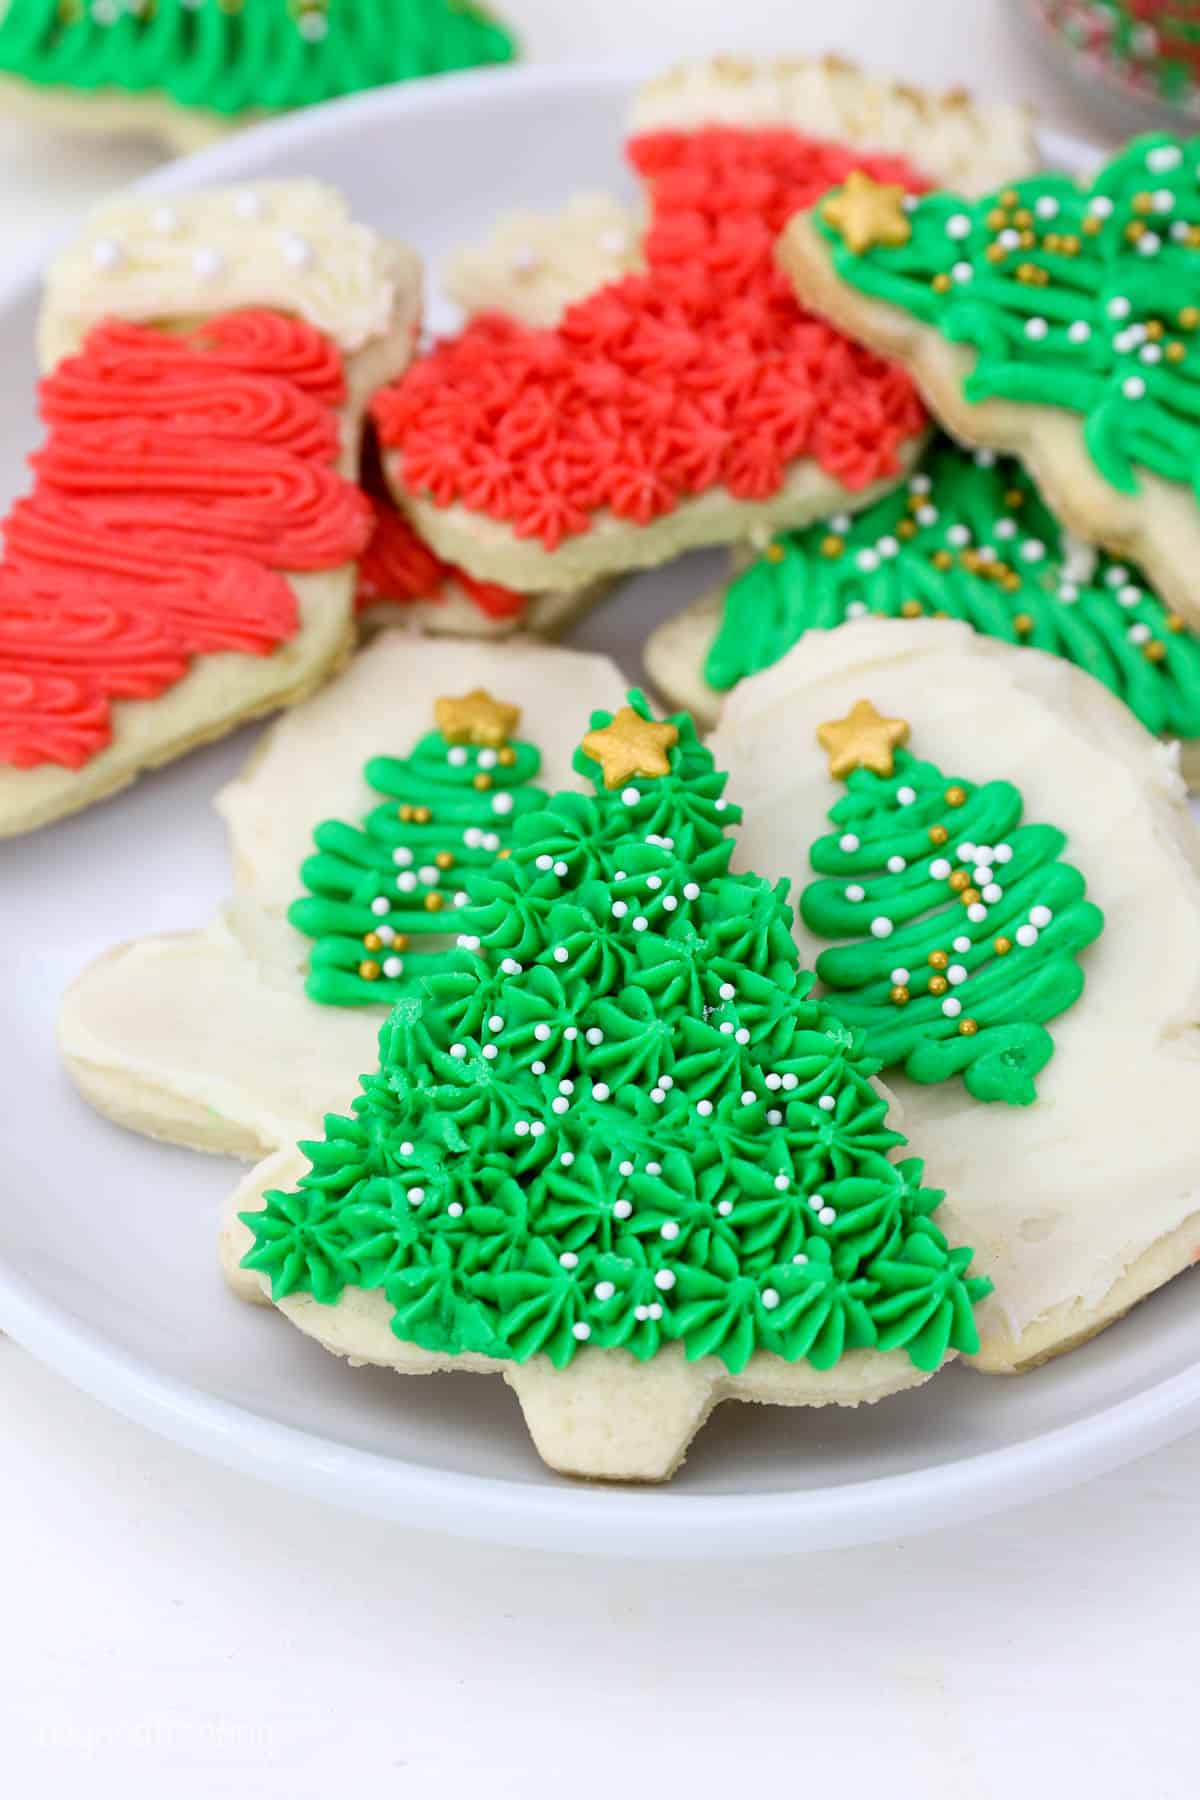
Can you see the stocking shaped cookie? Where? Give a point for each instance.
(690, 402)
(968, 537)
(615, 1151)
(186, 558)
(1051, 319)
(190, 69)
(957, 889)
(363, 818)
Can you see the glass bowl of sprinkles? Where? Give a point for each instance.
(1143, 54)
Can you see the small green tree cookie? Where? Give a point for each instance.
(617, 1119)
(964, 924)
(255, 56)
(447, 814)
(967, 537)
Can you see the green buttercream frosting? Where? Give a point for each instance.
(620, 1120)
(1003, 566)
(1079, 297)
(964, 927)
(410, 868)
(259, 56)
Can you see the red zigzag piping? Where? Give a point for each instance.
(180, 475)
(702, 372)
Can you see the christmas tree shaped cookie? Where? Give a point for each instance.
(1087, 1197)
(447, 813)
(966, 926)
(617, 1151)
(968, 537)
(192, 68)
(1051, 319)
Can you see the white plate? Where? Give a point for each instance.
(108, 1263)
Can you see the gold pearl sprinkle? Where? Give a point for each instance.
(1023, 217)
(997, 219)
(942, 559)
(968, 1027)
(404, 814)
(1154, 329)
(1010, 197)
(434, 903)
(775, 553)
(1134, 230)
(899, 996)
(507, 757)
(938, 984)
(1092, 224)
(1010, 581)
(1014, 497)
(370, 971)
(960, 880)
(1175, 352)
(372, 941)
(1023, 624)
(1189, 318)
(996, 253)
(1143, 203)
(832, 545)
(399, 942)
(444, 860)
(970, 896)
(421, 815)
(911, 609)
(1154, 651)
(956, 796)
(1070, 245)
(938, 834)
(941, 284)
(938, 959)
(906, 528)
(1175, 622)
(482, 782)
(1002, 946)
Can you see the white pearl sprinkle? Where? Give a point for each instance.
(827, 1102)
(522, 1127)
(569, 1260)
(827, 1216)
(664, 1280)
(774, 1116)
(691, 891)
(896, 865)
(1079, 331)
(416, 1195)
(604, 1290)
(571, 1032)
(770, 1299)
(393, 966)
(727, 990)
(956, 974)
(962, 945)
(724, 1208)
(567, 1158)
(1118, 306)
(631, 796)
(538, 1068)
(940, 869)
(544, 863)
(456, 756)
(951, 1007)
(561, 953)
(669, 1231)
(782, 1184)
(1133, 387)
(622, 1209)
(977, 913)
(560, 1104)
(704, 1108)
(992, 892)
(582, 1331)
(502, 803)
(790, 1081)
(1036, 328)
(882, 928)
(1040, 916)
(619, 909)
(490, 1052)
(458, 1051)
(854, 892)
(1046, 207)
(600, 1090)
(1003, 853)
(380, 906)
(900, 977)
(905, 796)
(657, 1096)
(654, 1168)
(640, 923)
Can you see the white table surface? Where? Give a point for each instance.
(168, 1629)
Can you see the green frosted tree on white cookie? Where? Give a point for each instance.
(620, 1122)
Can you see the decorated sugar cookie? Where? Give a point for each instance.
(684, 404)
(615, 1151)
(212, 1037)
(190, 69)
(379, 892)
(1012, 751)
(969, 538)
(1050, 319)
(186, 557)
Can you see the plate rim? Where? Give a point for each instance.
(560, 1514)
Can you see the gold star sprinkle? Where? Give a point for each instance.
(477, 719)
(867, 212)
(864, 739)
(631, 746)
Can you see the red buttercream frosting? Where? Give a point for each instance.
(180, 475)
(702, 372)
(398, 567)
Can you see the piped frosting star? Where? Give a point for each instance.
(477, 719)
(864, 739)
(867, 212)
(630, 746)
